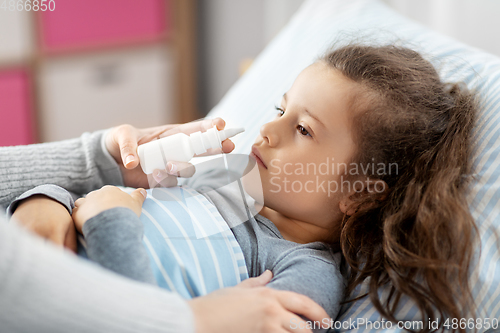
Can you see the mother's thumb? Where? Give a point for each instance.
(259, 281)
(126, 137)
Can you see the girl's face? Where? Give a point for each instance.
(299, 152)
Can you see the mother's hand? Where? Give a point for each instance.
(251, 307)
(122, 142)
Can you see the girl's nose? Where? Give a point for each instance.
(269, 133)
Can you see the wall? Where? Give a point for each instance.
(230, 31)
(233, 30)
(474, 22)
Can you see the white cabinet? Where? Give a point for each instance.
(15, 36)
(92, 92)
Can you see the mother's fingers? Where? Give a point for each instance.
(148, 134)
(126, 137)
(293, 323)
(161, 178)
(181, 169)
(121, 143)
(258, 281)
(219, 122)
(195, 126)
(227, 147)
(302, 305)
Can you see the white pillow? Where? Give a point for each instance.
(250, 103)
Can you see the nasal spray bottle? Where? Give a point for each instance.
(181, 147)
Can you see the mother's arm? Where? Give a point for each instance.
(89, 162)
(78, 165)
(47, 290)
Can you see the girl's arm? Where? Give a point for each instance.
(114, 241)
(113, 237)
(109, 220)
(312, 270)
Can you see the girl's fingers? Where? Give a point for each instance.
(139, 195)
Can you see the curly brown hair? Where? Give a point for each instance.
(419, 239)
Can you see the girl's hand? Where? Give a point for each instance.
(48, 219)
(103, 199)
(122, 142)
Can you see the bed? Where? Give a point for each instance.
(313, 29)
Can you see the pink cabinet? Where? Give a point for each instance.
(93, 64)
(77, 24)
(16, 124)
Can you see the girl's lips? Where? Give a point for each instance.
(255, 154)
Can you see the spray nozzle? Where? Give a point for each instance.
(230, 132)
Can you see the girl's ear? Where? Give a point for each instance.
(376, 188)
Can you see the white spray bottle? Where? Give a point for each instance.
(181, 147)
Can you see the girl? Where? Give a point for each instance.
(419, 238)
(396, 144)
(402, 141)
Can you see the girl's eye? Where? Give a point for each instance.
(280, 111)
(302, 130)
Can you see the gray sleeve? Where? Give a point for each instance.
(46, 289)
(313, 273)
(114, 240)
(79, 165)
(52, 191)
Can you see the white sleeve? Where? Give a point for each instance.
(47, 289)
